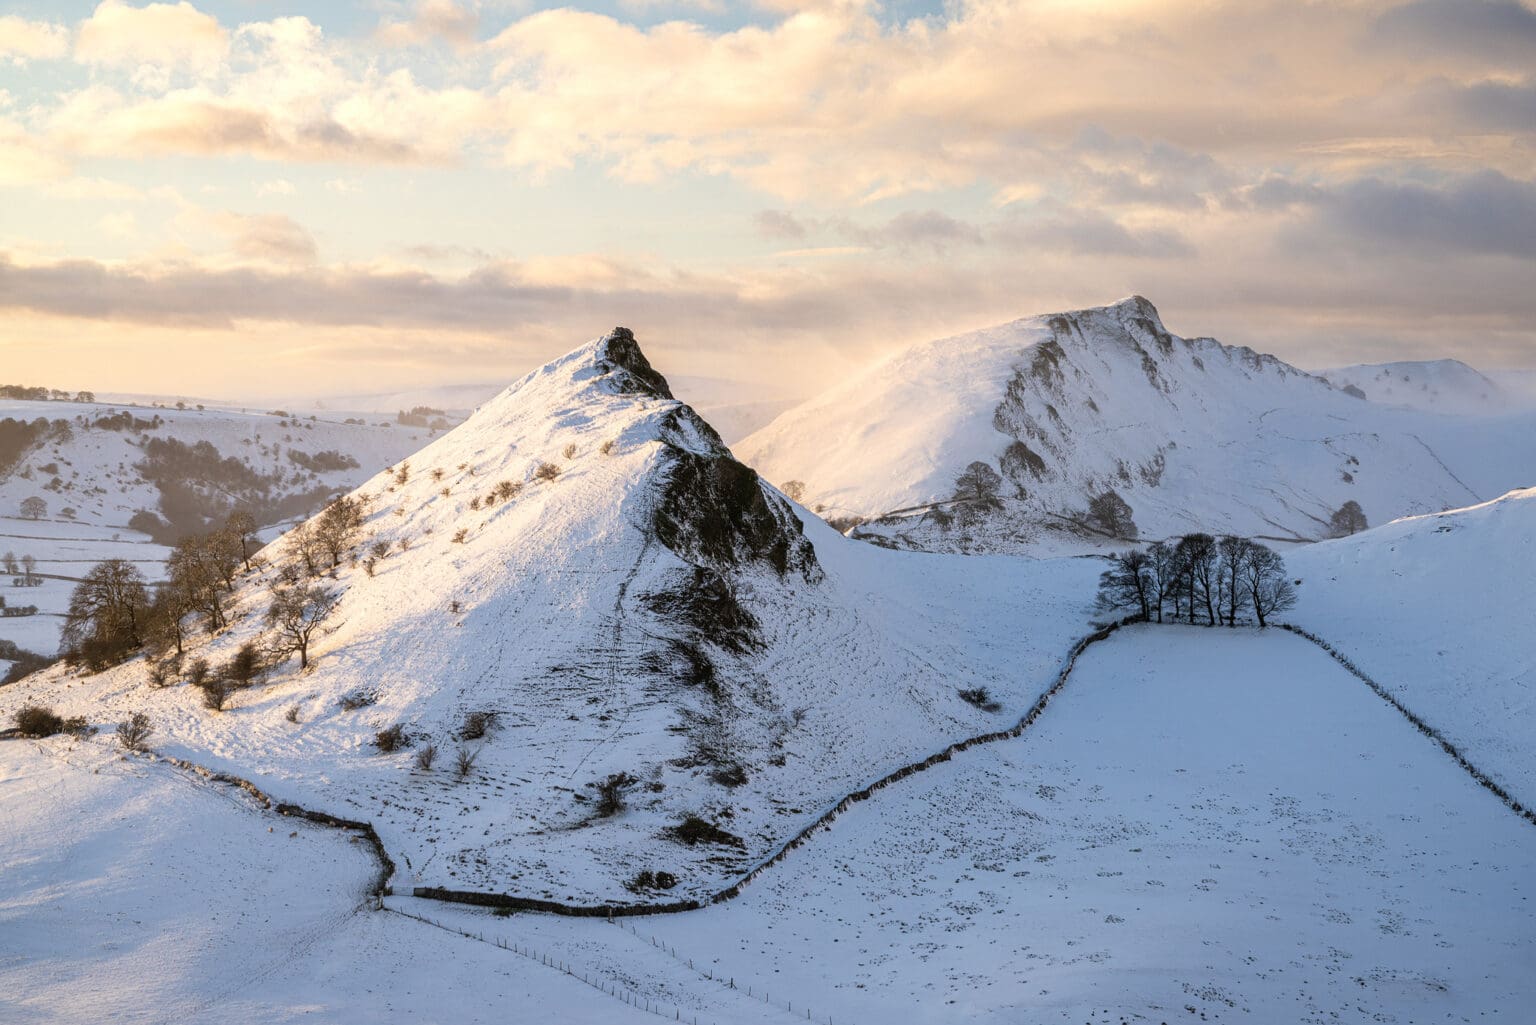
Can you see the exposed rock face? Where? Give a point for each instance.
(715, 512)
(619, 356)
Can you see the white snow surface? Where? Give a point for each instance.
(1193, 434)
(131, 892)
(1205, 825)
(541, 614)
(1440, 610)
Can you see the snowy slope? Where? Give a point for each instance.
(94, 471)
(1206, 825)
(92, 486)
(653, 609)
(1190, 432)
(1433, 386)
(1440, 610)
(132, 893)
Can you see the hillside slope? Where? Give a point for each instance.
(1439, 609)
(585, 559)
(1432, 386)
(1193, 434)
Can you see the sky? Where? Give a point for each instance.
(266, 197)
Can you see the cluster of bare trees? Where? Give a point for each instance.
(113, 613)
(1199, 577)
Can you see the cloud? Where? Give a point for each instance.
(24, 40)
(431, 20)
(1497, 30)
(1479, 213)
(271, 238)
(98, 121)
(165, 36)
(779, 224)
(275, 187)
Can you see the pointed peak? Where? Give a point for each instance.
(619, 355)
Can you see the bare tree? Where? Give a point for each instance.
(163, 626)
(200, 566)
(1128, 584)
(337, 527)
(1269, 591)
(303, 543)
(242, 526)
(1348, 519)
(296, 613)
(1163, 567)
(1230, 555)
(1197, 560)
(106, 614)
(34, 508)
(1110, 514)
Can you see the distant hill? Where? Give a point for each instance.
(1063, 408)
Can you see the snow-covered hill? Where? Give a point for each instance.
(1440, 610)
(1191, 433)
(1433, 386)
(85, 462)
(586, 560)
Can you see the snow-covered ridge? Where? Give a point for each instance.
(1432, 386)
(1192, 433)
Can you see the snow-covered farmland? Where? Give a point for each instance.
(1205, 824)
(133, 892)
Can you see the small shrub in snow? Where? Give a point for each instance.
(162, 672)
(437, 474)
(425, 756)
(379, 550)
(446, 492)
(694, 830)
(477, 724)
(474, 503)
(292, 715)
(464, 761)
(215, 694)
(245, 668)
(607, 448)
(133, 732)
(370, 566)
(981, 699)
(611, 793)
(77, 727)
(569, 452)
(460, 534)
(360, 698)
(649, 880)
(730, 775)
(391, 739)
(37, 721)
(546, 471)
(197, 672)
(508, 489)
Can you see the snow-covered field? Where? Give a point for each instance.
(1441, 610)
(131, 892)
(1204, 824)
